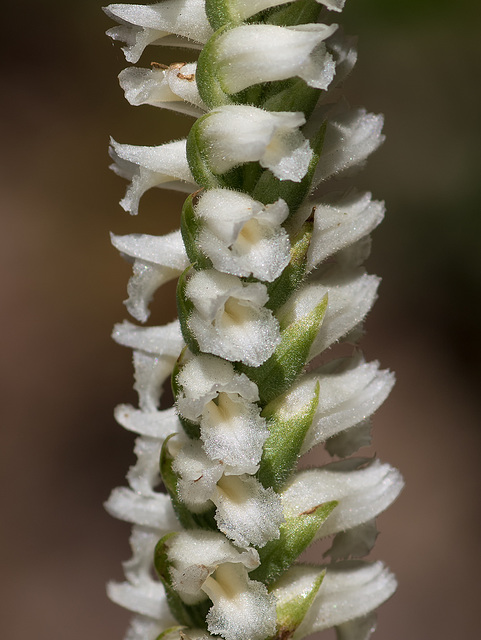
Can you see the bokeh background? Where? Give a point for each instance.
(62, 287)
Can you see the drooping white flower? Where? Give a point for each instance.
(235, 134)
(351, 294)
(156, 260)
(163, 166)
(362, 488)
(339, 222)
(350, 390)
(350, 139)
(349, 592)
(251, 54)
(155, 351)
(173, 87)
(155, 424)
(229, 319)
(242, 236)
(141, 25)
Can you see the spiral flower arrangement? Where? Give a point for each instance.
(269, 266)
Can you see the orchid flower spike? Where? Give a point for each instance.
(268, 261)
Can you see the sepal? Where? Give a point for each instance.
(141, 25)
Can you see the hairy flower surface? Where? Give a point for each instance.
(268, 260)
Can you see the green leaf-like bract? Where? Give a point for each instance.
(277, 374)
(296, 535)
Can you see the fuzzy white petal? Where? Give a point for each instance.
(362, 492)
(235, 134)
(203, 377)
(163, 166)
(155, 511)
(247, 512)
(155, 424)
(142, 25)
(241, 236)
(350, 391)
(350, 138)
(229, 319)
(242, 608)
(349, 591)
(339, 222)
(251, 54)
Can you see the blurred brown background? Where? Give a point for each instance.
(62, 284)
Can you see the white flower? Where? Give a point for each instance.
(229, 319)
(251, 54)
(196, 555)
(155, 351)
(247, 512)
(156, 260)
(362, 492)
(141, 25)
(350, 138)
(349, 592)
(224, 402)
(350, 390)
(241, 235)
(206, 564)
(198, 475)
(150, 511)
(351, 294)
(155, 424)
(163, 166)
(339, 222)
(173, 87)
(235, 134)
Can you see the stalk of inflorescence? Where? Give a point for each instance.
(268, 260)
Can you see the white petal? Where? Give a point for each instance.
(147, 599)
(144, 476)
(229, 319)
(351, 295)
(339, 222)
(157, 260)
(251, 54)
(242, 608)
(350, 391)
(247, 512)
(350, 138)
(234, 433)
(349, 590)
(150, 24)
(235, 134)
(171, 88)
(198, 476)
(155, 511)
(155, 424)
(362, 492)
(203, 377)
(144, 628)
(165, 165)
(195, 555)
(242, 236)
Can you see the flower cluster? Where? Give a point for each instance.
(269, 269)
